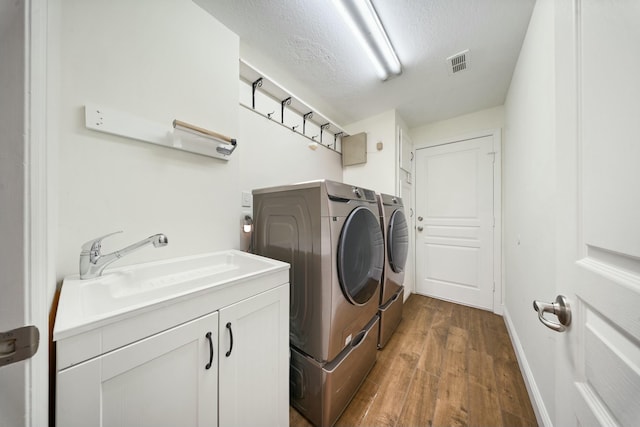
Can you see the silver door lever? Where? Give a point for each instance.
(560, 307)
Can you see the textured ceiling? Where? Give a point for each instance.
(306, 46)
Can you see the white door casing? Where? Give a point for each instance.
(407, 200)
(457, 245)
(405, 191)
(598, 105)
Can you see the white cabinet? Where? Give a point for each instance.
(216, 356)
(254, 371)
(166, 379)
(162, 380)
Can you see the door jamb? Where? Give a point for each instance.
(39, 213)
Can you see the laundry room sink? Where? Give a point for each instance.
(122, 292)
(175, 335)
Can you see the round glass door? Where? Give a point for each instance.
(397, 241)
(360, 256)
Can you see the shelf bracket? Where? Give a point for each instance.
(322, 129)
(335, 138)
(306, 117)
(286, 101)
(254, 86)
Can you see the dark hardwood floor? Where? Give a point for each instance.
(446, 365)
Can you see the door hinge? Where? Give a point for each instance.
(493, 156)
(18, 344)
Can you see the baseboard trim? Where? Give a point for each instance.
(542, 415)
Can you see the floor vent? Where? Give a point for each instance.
(458, 62)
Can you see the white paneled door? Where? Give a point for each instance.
(455, 221)
(598, 256)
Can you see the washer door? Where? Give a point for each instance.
(397, 241)
(360, 256)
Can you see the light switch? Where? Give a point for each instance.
(247, 199)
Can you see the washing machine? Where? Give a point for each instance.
(396, 237)
(330, 234)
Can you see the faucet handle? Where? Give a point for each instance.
(94, 244)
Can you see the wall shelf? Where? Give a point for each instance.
(177, 135)
(269, 87)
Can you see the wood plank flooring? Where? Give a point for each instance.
(446, 365)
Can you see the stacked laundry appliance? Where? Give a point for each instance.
(396, 238)
(330, 234)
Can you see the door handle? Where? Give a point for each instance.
(560, 307)
(18, 344)
(420, 228)
(228, 353)
(208, 365)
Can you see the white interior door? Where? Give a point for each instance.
(598, 92)
(13, 296)
(455, 220)
(27, 274)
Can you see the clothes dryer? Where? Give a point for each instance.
(396, 238)
(330, 234)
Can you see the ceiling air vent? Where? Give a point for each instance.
(458, 62)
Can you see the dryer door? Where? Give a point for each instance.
(397, 241)
(360, 256)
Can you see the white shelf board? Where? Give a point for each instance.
(269, 87)
(127, 125)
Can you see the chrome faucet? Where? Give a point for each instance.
(92, 262)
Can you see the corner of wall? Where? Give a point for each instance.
(535, 396)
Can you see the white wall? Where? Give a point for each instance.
(176, 62)
(379, 172)
(446, 130)
(274, 155)
(159, 61)
(528, 200)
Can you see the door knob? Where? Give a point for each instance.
(560, 307)
(420, 228)
(18, 344)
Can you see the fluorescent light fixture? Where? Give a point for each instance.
(364, 22)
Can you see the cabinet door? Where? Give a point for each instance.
(162, 380)
(254, 365)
